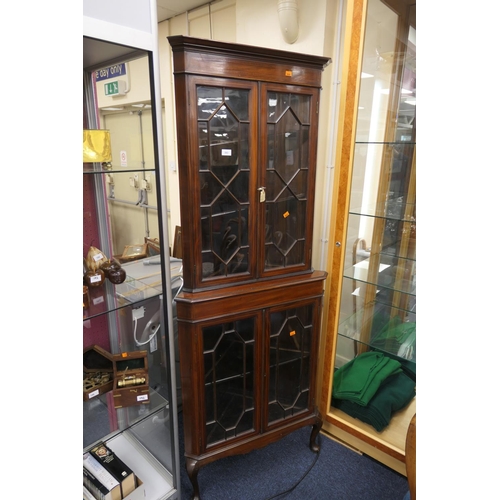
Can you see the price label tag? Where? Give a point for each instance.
(292, 333)
(95, 279)
(286, 214)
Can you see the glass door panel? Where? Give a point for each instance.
(287, 178)
(289, 362)
(224, 175)
(229, 355)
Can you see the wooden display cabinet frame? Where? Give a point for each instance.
(387, 446)
(268, 96)
(195, 311)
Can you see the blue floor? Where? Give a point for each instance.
(338, 473)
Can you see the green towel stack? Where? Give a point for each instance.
(371, 388)
(359, 379)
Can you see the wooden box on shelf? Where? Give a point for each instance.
(97, 372)
(131, 380)
(134, 252)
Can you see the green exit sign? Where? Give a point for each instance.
(115, 88)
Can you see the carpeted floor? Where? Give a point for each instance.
(338, 473)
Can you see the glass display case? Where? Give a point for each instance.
(372, 299)
(127, 341)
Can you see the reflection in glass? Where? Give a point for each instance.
(378, 303)
(286, 178)
(223, 138)
(290, 348)
(229, 350)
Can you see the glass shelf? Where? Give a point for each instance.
(102, 421)
(95, 168)
(391, 210)
(393, 330)
(109, 297)
(382, 143)
(143, 282)
(392, 272)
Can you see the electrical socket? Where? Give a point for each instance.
(138, 313)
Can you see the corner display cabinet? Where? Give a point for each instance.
(370, 303)
(249, 313)
(126, 335)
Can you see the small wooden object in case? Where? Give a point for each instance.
(98, 370)
(131, 380)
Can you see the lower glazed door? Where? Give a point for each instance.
(231, 379)
(291, 335)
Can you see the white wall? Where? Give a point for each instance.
(256, 22)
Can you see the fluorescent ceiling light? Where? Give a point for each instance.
(112, 109)
(366, 75)
(413, 102)
(365, 263)
(403, 91)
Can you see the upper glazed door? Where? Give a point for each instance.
(288, 160)
(254, 211)
(224, 179)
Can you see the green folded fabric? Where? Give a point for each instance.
(391, 335)
(392, 396)
(409, 367)
(359, 379)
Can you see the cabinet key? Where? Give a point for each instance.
(262, 194)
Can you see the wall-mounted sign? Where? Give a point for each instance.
(123, 158)
(111, 72)
(117, 87)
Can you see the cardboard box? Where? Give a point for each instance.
(130, 379)
(98, 372)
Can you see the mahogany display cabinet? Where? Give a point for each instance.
(249, 313)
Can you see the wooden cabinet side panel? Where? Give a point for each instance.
(190, 362)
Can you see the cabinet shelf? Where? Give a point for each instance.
(389, 276)
(392, 210)
(387, 143)
(143, 282)
(101, 420)
(95, 169)
(157, 482)
(108, 297)
(391, 327)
